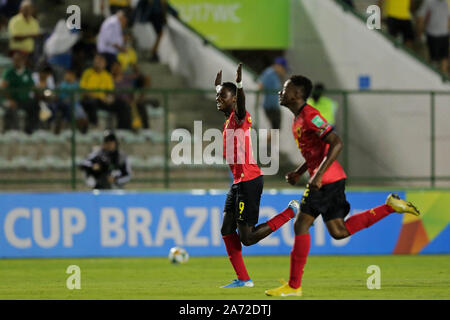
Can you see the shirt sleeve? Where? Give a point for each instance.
(109, 83)
(422, 12)
(124, 174)
(5, 75)
(35, 77)
(317, 124)
(12, 30)
(265, 80)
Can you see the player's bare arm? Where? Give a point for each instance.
(293, 176)
(335, 148)
(218, 80)
(240, 104)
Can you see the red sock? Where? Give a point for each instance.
(234, 250)
(280, 219)
(299, 254)
(367, 218)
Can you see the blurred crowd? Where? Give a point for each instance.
(41, 77)
(421, 25)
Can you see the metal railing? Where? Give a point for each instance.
(166, 180)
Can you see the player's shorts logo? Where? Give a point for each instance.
(305, 194)
(241, 209)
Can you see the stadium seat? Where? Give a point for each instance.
(14, 137)
(95, 136)
(41, 136)
(153, 112)
(154, 162)
(129, 137)
(153, 136)
(4, 164)
(137, 162)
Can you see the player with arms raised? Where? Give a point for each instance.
(325, 193)
(241, 210)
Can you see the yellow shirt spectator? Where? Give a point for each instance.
(127, 58)
(91, 79)
(399, 9)
(119, 3)
(19, 26)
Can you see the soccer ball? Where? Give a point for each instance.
(178, 255)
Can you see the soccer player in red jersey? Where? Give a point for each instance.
(241, 210)
(325, 192)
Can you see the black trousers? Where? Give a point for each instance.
(142, 110)
(119, 107)
(32, 122)
(110, 59)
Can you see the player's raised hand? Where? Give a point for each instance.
(239, 73)
(292, 177)
(218, 78)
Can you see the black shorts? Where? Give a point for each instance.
(438, 47)
(243, 201)
(400, 26)
(329, 201)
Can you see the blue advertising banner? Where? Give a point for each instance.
(149, 224)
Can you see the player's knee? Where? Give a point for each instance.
(247, 240)
(339, 233)
(228, 225)
(226, 230)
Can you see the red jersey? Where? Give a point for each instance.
(309, 129)
(237, 148)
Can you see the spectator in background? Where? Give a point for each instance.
(155, 12)
(19, 77)
(58, 48)
(120, 5)
(99, 78)
(63, 114)
(101, 8)
(23, 28)
(110, 38)
(434, 20)
(136, 105)
(272, 79)
(44, 81)
(399, 19)
(107, 167)
(129, 61)
(128, 56)
(326, 106)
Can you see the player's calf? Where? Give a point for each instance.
(302, 223)
(280, 219)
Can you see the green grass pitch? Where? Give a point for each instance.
(326, 277)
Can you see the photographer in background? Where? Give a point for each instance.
(107, 167)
